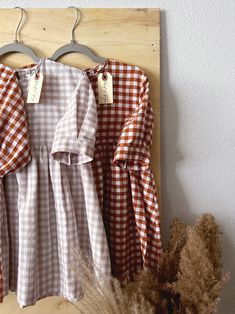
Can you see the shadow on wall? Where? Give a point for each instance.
(174, 201)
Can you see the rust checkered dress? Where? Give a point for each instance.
(14, 146)
(124, 181)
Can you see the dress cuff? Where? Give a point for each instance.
(132, 157)
(73, 151)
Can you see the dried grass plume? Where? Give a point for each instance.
(188, 280)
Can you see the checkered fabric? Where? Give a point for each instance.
(14, 148)
(2, 229)
(124, 181)
(1, 284)
(52, 207)
(14, 151)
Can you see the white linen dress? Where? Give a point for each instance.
(52, 208)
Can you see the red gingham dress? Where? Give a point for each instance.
(14, 146)
(125, 183)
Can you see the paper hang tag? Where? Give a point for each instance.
(35, 87)
(105, 88)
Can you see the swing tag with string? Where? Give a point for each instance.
(105, 88)
(35, 87)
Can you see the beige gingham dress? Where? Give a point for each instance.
(52, 207)
(14, 139)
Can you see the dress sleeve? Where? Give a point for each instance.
(14, 138)
(133, 149)
(74, 138)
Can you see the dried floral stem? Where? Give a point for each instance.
(188, 279)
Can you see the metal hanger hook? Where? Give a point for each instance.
(18, 26)
(77, 21)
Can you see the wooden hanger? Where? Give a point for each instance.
(75, 47)
(18, 47)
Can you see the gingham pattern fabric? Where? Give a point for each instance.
(3, 235)
(14, 151)
(124, 181)
(14, 147)
(52, 205)
(1, 284)
(2, 202)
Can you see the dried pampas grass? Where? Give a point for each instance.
(200, 280)
(107, 295)
(188, 279)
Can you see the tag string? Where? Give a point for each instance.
(37, 69)
(104, 76)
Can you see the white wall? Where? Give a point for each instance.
(197, 112)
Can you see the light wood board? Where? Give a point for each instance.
(128, 35)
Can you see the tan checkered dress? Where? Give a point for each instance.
(14, 146)
(52, 207)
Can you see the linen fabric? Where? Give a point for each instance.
(125, 183)
(14, 146)
(52, 208)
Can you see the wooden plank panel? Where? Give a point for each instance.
(128, 35)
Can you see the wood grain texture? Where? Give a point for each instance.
(128, 35)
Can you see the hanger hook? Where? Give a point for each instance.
(77, 21)
(18, 26)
